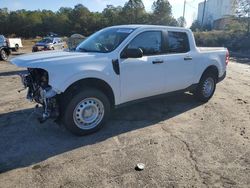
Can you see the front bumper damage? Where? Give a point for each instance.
(40, 92)
(48, 102)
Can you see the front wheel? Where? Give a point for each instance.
(206, 87)
(86, 112)
(3, 55)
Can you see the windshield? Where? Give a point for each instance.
(104, 41)
(46, 40)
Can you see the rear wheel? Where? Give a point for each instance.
(206, 87)
(34, 49)
(16, 48)
(86, 112)
(3, 55)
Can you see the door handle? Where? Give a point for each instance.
(158, 61)
(188, 58)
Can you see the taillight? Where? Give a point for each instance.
(227, 58)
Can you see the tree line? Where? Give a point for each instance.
(80, 19)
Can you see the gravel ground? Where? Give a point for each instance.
(180, 141)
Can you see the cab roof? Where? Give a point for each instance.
(144, 26)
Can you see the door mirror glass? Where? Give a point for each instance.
(132, 53)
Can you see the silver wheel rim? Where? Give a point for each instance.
(208, 87)
(3, 54)
(88, 113)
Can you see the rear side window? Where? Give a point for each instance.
(178, 42)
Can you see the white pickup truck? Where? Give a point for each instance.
(118, 65)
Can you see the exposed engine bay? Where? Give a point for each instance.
(36, 80)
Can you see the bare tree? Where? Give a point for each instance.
(181, 22)
(243, 10)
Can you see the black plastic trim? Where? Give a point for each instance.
(116, 67)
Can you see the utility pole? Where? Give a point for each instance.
(248, 23)
(184, 10)
(204, 9)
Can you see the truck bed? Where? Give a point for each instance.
(211, 49)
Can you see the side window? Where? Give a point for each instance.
(149, 42)
(178, 42)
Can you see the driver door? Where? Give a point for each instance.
(143, 77)
(56, 44)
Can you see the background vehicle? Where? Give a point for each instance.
(14, 44)
(4, 49)
(49, 43)
(116, 66)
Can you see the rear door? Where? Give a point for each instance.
(179, 64)
(60, 44)
(143, 77)
(56, 44)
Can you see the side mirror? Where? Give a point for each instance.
(132, 53)
(54, 42)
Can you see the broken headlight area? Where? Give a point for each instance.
(36, 80)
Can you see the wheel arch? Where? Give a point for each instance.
(6, 50)
(211, 69)
(96, 83)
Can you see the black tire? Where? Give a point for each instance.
(34, 49)
(73, 102)
(3, 55)
(16, 48)
(200, 90)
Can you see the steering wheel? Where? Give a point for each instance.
(102, 47)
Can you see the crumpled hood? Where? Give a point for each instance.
(52, 58)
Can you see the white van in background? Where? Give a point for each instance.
(14, 43)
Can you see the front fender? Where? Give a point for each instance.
(60, 85)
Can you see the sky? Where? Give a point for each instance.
(99, 5)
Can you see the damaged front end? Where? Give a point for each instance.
(36, 80)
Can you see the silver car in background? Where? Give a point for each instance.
(49, 43)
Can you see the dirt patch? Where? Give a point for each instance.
(180, 141)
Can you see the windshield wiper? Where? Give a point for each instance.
(83, 49)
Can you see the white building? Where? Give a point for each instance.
(215, 9)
